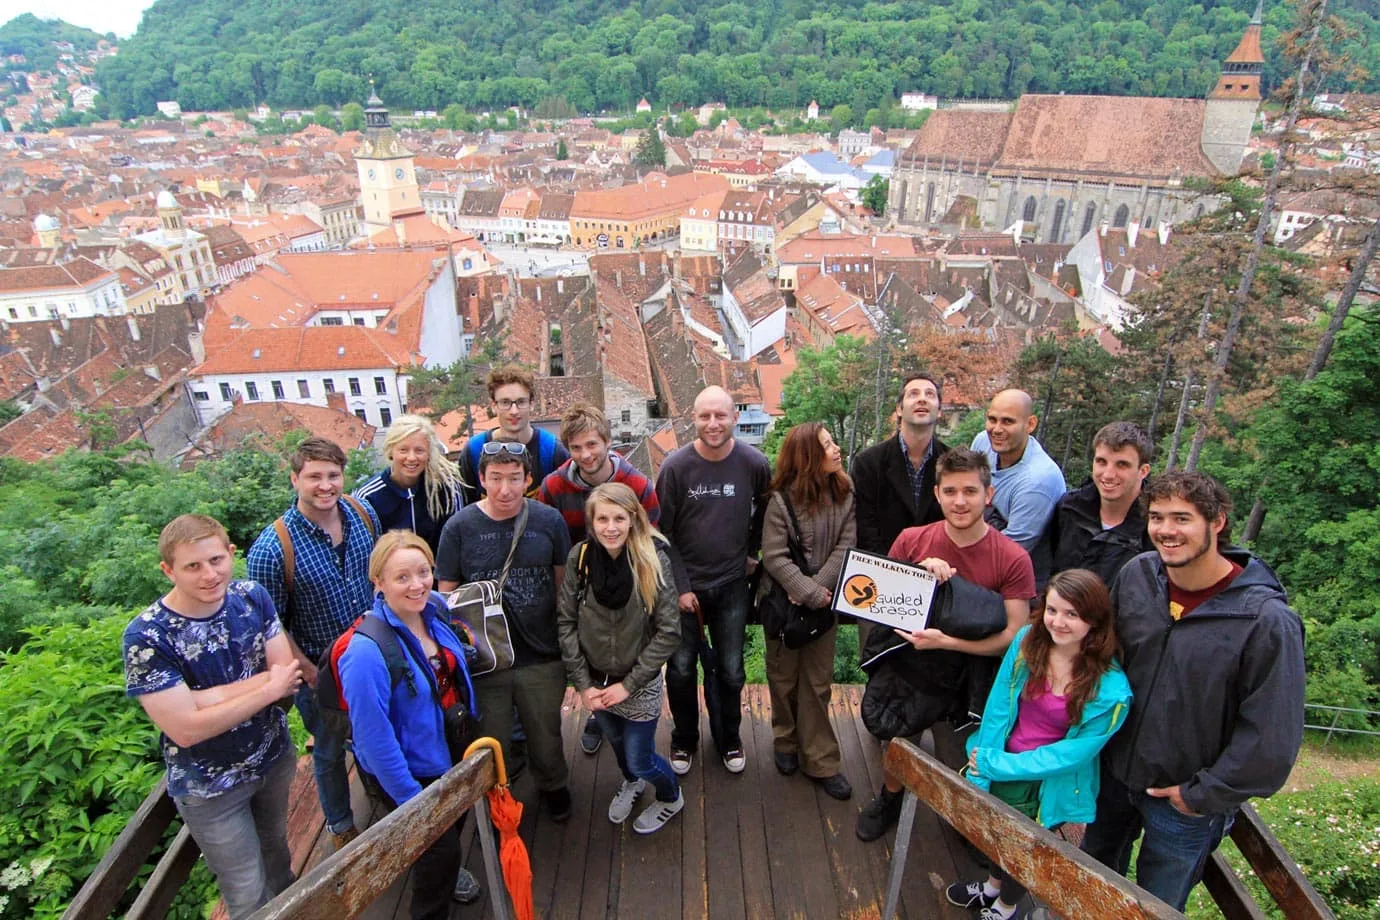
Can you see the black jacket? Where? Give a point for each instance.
(1218, 707)
(1074, 538)
(885, 500)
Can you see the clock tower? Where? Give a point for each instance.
(387, 177)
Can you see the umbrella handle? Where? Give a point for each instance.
(492, 744)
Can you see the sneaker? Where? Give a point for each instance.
(591, 737)
(786, 764)
(969, 895)
(339, 840)
(681, 760)
(735, 761)
(467, 889)
(836, 786)
(996, 913)
(558, 804)
(879, 815)
(623, 802)
(652, 820)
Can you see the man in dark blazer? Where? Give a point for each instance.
(894, 480)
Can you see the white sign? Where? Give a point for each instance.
(884, 591)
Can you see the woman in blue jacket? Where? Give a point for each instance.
(399, 726)
(1057, 700)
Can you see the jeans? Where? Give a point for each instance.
(243, 835)
(535, 691)
(724, 610)
(328, 763)
(1174, 851)
(634, 746)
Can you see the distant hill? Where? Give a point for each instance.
(32, 37)
(599, 54)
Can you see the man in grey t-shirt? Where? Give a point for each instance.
(712, 493)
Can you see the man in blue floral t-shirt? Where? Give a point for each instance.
(207, 661)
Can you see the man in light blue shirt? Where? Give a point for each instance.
(1027, 482)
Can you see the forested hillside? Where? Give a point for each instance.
(32, 37)
(598, 55)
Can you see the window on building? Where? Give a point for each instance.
(359, 321)
(627, 416)
(380, 386)
(225, 392)
(1028, 214)
(332, 321)
(304, 389)
(251, 389)
(201, 395)
(1088, 217)
(329, 385)
(354, 386)
(359, 414)
(1058, 224)
(14, 314)
(1123, 216)
(278, 389)
(385, 416)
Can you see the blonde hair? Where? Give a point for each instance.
(648, 575)
(392, 542)
(189, 528)
(443, 480)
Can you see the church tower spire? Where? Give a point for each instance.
(1232, 105)
(387, 176)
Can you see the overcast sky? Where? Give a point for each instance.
(118, 16)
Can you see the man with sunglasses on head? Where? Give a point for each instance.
(511, 392)
(474, 546)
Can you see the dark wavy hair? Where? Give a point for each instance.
(800, 470)
(1088, 595)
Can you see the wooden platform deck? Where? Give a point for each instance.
(757, 845)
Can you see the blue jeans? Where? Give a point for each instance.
(724, 610)
(1174, 851)
(328, 763)
(634, 745)
(243, 834)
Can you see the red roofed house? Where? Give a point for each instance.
(315, 324)
(72, 289)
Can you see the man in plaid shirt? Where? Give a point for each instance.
(331, 543)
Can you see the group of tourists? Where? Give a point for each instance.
(1138, 675)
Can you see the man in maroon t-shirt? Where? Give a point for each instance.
(962, 544)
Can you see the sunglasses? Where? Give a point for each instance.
(493, 448)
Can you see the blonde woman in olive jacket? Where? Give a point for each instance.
(618, 621)
(809, 471)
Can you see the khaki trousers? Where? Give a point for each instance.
(800, 682)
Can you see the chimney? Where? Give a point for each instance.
(560, 285)
(675, 265)
(134, 333)
(401, 232)
(1132, 233)
(336, 401)
(66, 323)
(538, 293)
(618, 279)
(57, 337)
(1162, 231)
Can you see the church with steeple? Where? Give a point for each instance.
(387, 176)
(1056, 166)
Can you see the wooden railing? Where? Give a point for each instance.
(1069, 881)
(342, 886)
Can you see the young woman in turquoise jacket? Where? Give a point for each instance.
(1057, 700)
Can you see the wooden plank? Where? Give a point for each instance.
(1228, 891)
(1072, 883)
(723, 858)
(859, 869)
(167, 878)
(127, 855)
(1276, 869)
(350, 880)
(649, 867)
(693, 832)
(751, 805)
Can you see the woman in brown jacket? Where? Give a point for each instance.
(810, 476)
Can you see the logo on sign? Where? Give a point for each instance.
(603, 240)
(860, 591)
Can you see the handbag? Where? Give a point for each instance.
(794, 624)
(476, 613)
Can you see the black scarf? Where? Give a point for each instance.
(610, 579)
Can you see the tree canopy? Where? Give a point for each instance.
(428, 54)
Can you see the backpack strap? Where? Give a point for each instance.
(289, 558)
(390, 644)
(362, 512)
(581, 575)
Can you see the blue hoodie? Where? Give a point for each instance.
(1068, 770)
(400, 734)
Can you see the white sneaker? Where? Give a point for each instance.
(735, 761)
(623, 802)
(681, 761)
(658, 813)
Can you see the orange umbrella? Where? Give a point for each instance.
(506, 813)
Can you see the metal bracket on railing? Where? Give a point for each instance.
(898, 855)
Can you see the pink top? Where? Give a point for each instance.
(1039, 721)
